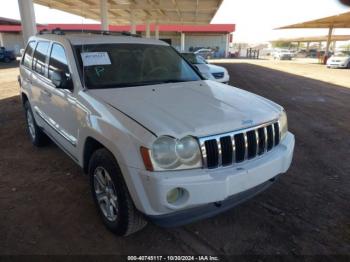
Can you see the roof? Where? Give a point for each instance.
(86, 39)
(335, 21)
(9, 21)
(120, 11)
(211, 28)
(314, 38)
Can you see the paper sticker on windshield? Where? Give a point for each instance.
(95, 58)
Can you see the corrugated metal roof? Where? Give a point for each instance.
(335, 21)
(162, 11)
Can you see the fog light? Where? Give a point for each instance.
(174, 195)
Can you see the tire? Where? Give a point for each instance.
(7, 60)
(36, 135)
(111, 195)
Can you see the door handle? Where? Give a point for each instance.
(28, 80)
(45, 92)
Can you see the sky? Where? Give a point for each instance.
(254, 19)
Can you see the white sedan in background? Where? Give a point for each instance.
(339, 60)
(210, 72)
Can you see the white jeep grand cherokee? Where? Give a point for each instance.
(158, 141)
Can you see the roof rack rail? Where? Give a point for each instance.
(124, 33)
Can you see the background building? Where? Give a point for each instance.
(183, 37)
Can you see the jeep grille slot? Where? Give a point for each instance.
(211, 147)
(270, 137)
(226, 150)
(236, 147)
(240, 147)
(252, 145)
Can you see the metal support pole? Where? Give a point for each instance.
(307, 46)
(329, 38)
(104, 15)
(148, 29)
(1, 40)
(132, 23)
(26, 10)
(157, 31)
(227, 47)
(182, 42)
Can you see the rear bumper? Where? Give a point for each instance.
(209, 210)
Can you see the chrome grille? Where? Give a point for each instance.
(238, 146)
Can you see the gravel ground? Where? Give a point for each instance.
(46, 207)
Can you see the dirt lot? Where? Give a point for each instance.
(307, 67)
(46, 207)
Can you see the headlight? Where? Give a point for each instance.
(163, 152)
(170, 153)
(283, 124)
(187, 150)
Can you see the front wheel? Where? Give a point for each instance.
(111, 195)
(36, 135)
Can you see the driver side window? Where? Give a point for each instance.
(58, 61)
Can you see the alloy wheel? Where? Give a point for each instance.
(106, 194)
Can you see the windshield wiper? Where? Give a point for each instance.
(175, 81)
(145, 83)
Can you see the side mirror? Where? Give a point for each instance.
(21, 51)
(61, 80)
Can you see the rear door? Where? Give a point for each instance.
(26, 69)
(38, 79)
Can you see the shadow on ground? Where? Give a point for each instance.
(12, 64)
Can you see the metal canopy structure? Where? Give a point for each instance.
(335, 21)
(330, 22)
(311, 39)
(124, 12)
(121, 12)
(8, 21)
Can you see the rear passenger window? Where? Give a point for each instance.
(58, 60)
(28, 55)
(39, 58)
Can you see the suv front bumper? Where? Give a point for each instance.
(206, 187)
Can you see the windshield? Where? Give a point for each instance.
(193, 58)
(122, 65)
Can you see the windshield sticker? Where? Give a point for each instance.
(99, 70)
(95, 58)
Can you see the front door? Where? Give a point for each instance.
(59, 105)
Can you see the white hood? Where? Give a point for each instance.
(339, 58)
(197, 108)
(210, 68)
(216, 69)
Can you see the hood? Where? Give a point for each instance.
(216, 69)
(340, 58)
(198, 108)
